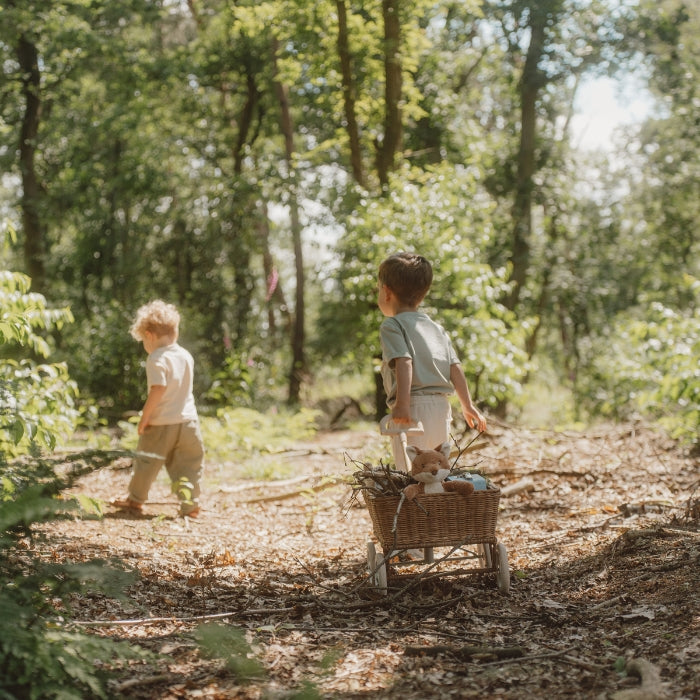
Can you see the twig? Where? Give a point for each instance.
(161, 620)
(583, 664)
(465, 653)
(396, 516)
(265, 484)
(148, 680)
(534, 657)
(525, 484)
(462, 450)
(606, 603)
(327, 483)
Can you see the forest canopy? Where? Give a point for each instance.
(252, 162)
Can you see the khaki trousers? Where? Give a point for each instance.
(180, 448)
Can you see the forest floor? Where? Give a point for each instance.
(604, 602)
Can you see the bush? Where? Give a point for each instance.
(649, 365)
(40, 655)
(37, 400)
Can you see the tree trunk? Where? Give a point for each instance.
(530, 83)
(393, 129)
(34, 239)
(245, 120)
(349, 94)
(274, 294)
(298, 368)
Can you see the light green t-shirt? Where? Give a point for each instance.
(414, 335)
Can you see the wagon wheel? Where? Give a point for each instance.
(502, 570)
(377, 567)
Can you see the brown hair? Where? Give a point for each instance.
(408, 275)
(158, 318)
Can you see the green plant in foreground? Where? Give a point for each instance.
(41, 656)
(37, 400)
(229, 643)
(217, 641)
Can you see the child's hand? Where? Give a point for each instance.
(474, 418)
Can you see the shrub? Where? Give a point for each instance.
(649, 365)
(40, 655)
(37, 400)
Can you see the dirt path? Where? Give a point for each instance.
(604, 553)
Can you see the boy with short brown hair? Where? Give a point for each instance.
(169, 432)
(420, 368)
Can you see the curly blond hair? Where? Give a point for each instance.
(157, 317)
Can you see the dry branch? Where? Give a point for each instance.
(466, 653)
(165, 620)
(325, 484)
(525, 484)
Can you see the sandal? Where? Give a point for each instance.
(127, 504)
(194, 513)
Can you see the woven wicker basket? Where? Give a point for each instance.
(451, 519)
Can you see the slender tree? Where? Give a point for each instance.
(34, 227)
(349, 87)
(298, 339)
(390, 144)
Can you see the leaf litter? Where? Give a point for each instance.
(267, 595)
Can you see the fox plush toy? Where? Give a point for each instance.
(430, 468)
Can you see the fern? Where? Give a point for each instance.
(40, 655)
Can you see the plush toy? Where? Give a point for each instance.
(430, 468)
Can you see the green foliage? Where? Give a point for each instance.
(37, 400)
(42, 662)
(232, 384)
(444, 215)
(40, 655)
(219, 641)
(648, 363)
(109, 364)
(242, 433)
(180, 188)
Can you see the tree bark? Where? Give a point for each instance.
(393, 129)
(34, 237)
(530, 83)
(245, 120)
(349, 94)
(274, 296)
(298, 368)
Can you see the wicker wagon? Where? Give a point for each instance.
(466, 524)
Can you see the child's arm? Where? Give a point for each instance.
(471, 413)
(401, 413)
(155, 394)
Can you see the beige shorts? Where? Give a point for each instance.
(435, 412)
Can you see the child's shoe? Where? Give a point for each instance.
(194, 513)
(127, 504)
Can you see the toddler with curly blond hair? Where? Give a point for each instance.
(169, 432)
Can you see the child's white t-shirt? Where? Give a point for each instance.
(172, 366)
